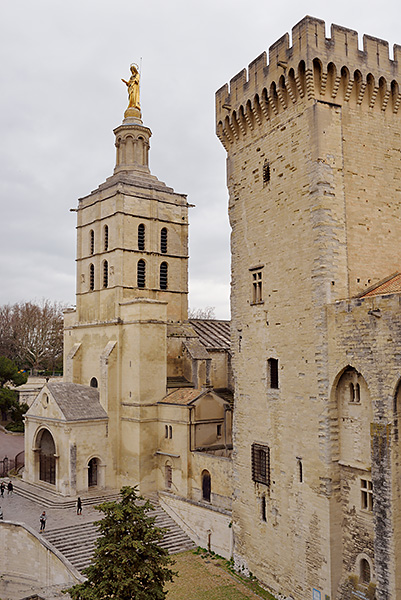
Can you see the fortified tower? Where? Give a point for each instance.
(313, 141)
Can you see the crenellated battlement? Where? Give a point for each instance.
(315, 67)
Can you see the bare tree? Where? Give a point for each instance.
(202, 313)
(32, 334)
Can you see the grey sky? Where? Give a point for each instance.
(61, 96)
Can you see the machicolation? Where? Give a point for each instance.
(314, 68)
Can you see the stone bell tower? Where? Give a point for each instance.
(132, 280)
(132, 239)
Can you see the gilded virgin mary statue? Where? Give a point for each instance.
(133, 87)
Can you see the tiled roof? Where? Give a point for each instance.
(182, 396)
(212, 333)
(77, 402)
(390, 285)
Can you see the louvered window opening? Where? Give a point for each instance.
(163, 241)
(163, 276)
(141, 274)
(91, 277)
(261, 464)
(105, 274)
(92, 241)
(106, 237)
(141, 237)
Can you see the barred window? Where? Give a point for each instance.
(141, 273)
(266, 172)
(92, 241)
(163, 240)
(91, 277)
(106, 237)
(105, 274)
(261, 464)
(141, 236)
(163, 276)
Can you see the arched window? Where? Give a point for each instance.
(93, 382)
(206, 486)
(163, 276)
(351, 392)
(106, 237)
(163, 241)
(357, 393)
(47, 459)
(300, 471)
(141, 274)
(364, 571)
(141, 236)
(105, 274)
(92, 241)
(91, 277)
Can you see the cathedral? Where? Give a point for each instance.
(306, 385)
(146, 397)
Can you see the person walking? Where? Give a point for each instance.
(2, 488)
(10, 488)
(43, 521)
(79, 506)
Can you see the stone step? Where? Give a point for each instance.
(54, 501)
(77, 544)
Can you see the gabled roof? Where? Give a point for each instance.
(213, 334)
(77, 402)
(186, 396)
(390, 285)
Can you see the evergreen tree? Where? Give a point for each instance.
(128, 563)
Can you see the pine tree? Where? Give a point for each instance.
(128, 563)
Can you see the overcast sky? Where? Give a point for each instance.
(62, 96)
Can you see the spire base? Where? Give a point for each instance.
(132, 115)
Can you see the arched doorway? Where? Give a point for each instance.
(47, 459)
(206, 486)
(93, 472)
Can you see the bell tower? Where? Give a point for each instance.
(132, 231)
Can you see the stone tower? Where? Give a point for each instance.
(132, 280)
(313, 141)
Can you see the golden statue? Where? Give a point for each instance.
(133, 88)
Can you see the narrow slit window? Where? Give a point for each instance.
(141, 274)
(106, 237)
(272, 367)
(141, 236)
(263, 508)
(163, 240)
(92, 241)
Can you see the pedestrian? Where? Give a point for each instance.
(10, 488)
(79, 506)
(43, 521)
(2, 488)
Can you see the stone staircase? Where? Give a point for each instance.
(77, 544)
(49, 500)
